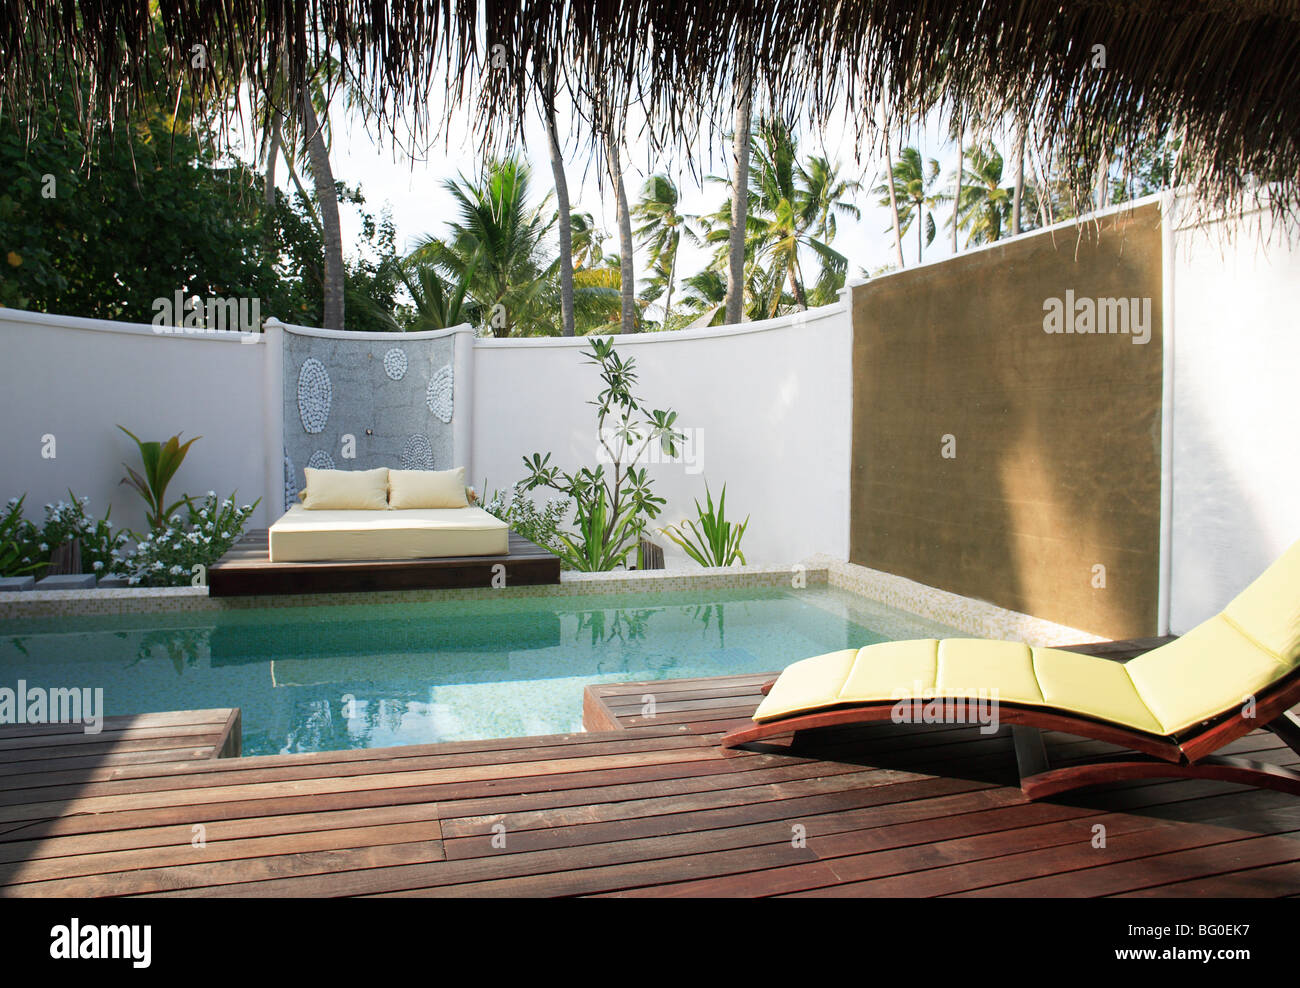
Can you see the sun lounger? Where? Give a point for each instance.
(1172, 707)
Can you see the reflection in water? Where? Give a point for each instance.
(355, 676)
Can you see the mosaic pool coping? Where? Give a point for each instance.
(171, 600)
(977, 618)
(973, 617)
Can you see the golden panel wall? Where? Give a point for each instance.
(1006, 424)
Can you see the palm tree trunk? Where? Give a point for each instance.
(796, 286)
(1018, 193)
(739, 196)
(672, 275)
(961, 165)
(920, 230)
(272, 154)
(893, 197)
(562, 205)
(327, 195)
(627, 273)
(1103, 174)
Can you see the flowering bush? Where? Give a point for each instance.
(166, 557)
(102, 549)
(19, 539)
(516, 509)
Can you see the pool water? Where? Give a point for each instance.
(365, 676)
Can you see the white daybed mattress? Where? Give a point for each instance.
(425, 533)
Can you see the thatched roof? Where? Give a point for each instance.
(1224, 73)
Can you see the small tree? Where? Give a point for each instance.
(612, 508)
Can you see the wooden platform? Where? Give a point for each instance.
(32, 753)
(653, 807)
(247, 570)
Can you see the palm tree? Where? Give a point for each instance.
(827, 195)
(893, 196)
(496, 247)
(437, 303)
(547, 97)
(911, 193)
(736, 236)
(662, 228)
(327, 196)
(985, 205)
(782, 213)
(587, 241)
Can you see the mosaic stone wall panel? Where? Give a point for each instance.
(395, 401)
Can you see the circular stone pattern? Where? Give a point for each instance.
(321, 460)
(314, 395)
(395, 364)
(439, 396)
(290, 482)
(417, 453)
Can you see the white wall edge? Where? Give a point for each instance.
(273, 416)
(1164, 595)
(347, 334)
(793, 320)
(50, 319)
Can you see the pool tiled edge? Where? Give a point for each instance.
(977, 618)
(973, 617)
(171, 600)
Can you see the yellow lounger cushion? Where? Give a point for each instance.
(960, 667)
(1206, 673)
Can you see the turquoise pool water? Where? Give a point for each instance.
(365, 676)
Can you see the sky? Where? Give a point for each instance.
(412, 189)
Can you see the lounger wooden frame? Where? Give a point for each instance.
(1188, 754)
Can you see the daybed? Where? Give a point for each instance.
(385, 514)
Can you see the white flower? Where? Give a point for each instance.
(98, 565)
(158, 564)
(176, 571)
(45, 547)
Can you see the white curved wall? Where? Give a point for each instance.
(77, 379)
(767, 405)
(1235, 412)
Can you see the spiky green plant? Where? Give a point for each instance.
(711, 540)
(160, 462)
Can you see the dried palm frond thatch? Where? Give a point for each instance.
(1091, 77)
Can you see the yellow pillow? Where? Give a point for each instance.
(346, 490)
(427, 488)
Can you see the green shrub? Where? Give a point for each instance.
(539, 526)
(166, 557)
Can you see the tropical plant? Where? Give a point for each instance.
(436, 302)
(711, 540)
(166, 557)
(495, 248)
(160, 461)
(18, 540)
(537, 525)
(662, 227)
(910, 190)
(611, 509)
(985, 205)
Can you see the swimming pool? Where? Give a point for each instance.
(365, 676)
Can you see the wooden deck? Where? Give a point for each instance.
(246, 570)
(644, 806)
